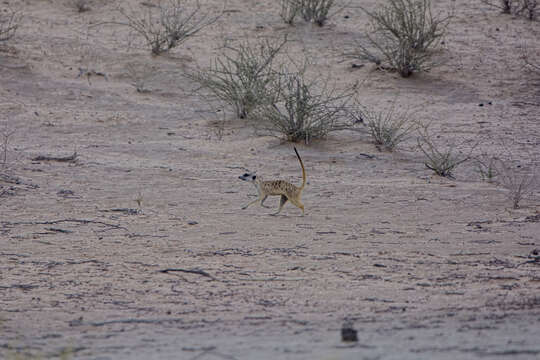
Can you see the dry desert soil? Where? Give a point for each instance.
(137, 247)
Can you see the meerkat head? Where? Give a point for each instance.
(248, 177)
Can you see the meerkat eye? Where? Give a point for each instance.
(254, 177)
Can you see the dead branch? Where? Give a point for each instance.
(189, 271)
(59, 230)
(71, 157)
(127, 211)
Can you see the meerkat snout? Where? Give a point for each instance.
(248, 177)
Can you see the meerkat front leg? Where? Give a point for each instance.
(263, 200)
(250, 203)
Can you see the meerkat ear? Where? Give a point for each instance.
(254, 177)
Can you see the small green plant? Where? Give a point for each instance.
(169, 23)
(241, 74)
(519, 182)
(442, 162)
(302, 110)
(388, 128)
(404, 35)
(10, 21)
(485, 166)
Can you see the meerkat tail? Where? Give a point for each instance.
(303, 169)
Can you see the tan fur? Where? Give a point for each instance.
(286, 190)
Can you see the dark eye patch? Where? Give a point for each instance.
(254, 177)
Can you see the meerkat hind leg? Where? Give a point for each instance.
(282, 202)
(298, 204)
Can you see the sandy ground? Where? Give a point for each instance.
(423, 267)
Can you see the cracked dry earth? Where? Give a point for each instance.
(138, 249)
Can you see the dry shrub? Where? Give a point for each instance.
(169, 23)
(241, 74)
(289, 10)
(315, 11)
(485, 166)
(81, 5)
(442, 160)
(404, 34)
(388, 128)
(504, 5)
(520, 182)
(10, 21)
(527, 8)
(302, 109)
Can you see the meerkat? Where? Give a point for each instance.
(286, 190)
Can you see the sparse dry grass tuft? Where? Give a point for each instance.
(388, 128)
